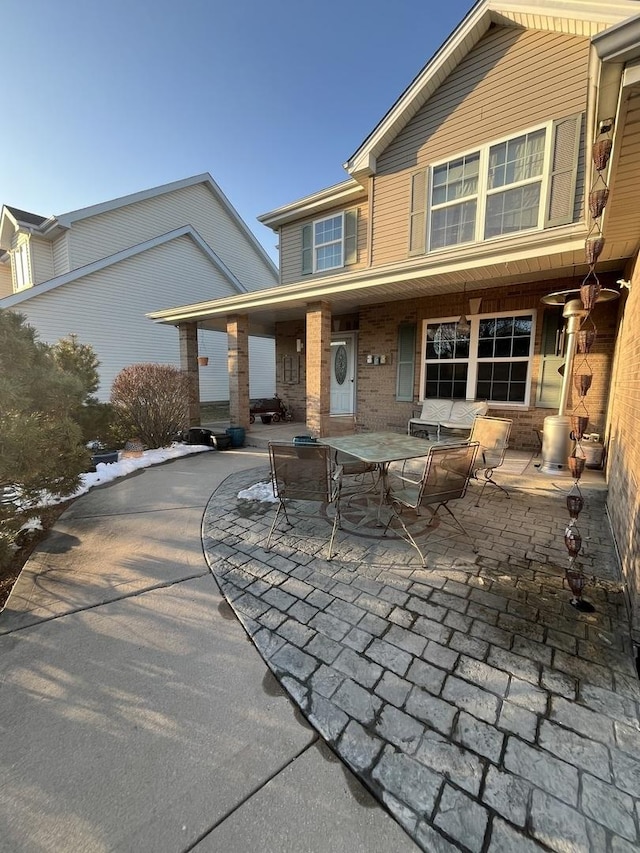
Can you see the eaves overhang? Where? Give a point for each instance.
(344, 193)
(479, 266)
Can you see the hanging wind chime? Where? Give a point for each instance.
(583, 374)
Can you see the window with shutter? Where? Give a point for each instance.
(525, 182)
(330, 243)
(418, 215)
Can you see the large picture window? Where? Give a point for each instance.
(489, 362)
(486, 193)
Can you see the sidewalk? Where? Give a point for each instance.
(135, 714)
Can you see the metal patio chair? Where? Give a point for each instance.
(304, 472)
(444, 477)
(492, 434)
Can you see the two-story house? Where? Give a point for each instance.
(423, 274)
(97, 271)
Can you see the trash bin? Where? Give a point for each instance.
(237, 436)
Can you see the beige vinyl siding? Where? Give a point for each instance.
(291, 244)
(61, 255)
(6, 282)
(107, 233)
(41, 260)
(512, 80)
(107, 310)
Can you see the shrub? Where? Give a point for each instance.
(152, 401)
(40, 442)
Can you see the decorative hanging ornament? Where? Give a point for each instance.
(578, 426)
(585, 340)
(601, 152)
(593, 247)
(576, 466)
(582, 383)
(573, 540)
(598, 201)
(589, 292)
(575, 505)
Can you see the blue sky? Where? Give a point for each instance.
(269, 96)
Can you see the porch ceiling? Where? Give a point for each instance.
(478, 268)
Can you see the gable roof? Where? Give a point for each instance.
(50, 226)
(573, 17)
(24, 217)
(130, 252)
(65, 220)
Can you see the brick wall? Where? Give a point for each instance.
(623, 446)
(377, 407)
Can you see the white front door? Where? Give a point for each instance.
(343, 374)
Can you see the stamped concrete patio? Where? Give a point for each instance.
(483, 710)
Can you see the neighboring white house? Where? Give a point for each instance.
(97, 271)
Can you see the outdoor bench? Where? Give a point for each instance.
(438, 412)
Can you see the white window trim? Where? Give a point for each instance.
(472, 375)
(483, 190)
(315, 246)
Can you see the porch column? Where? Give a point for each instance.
(238, 367)
(188, 337)
(318, 362)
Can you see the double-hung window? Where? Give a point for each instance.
(489, 362)
(330, 243)
(521, 183)
(327, 243)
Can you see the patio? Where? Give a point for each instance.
(468, 696)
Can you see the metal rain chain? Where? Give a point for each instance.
(583, 374)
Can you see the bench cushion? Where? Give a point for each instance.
(435, 411)
(463, 413)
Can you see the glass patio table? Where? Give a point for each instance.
(380, 449)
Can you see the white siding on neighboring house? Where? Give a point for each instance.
(41, 259)
(107, 233)
(61, 255)
(214, 379)
(107, 310)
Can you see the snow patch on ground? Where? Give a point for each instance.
(258, 492)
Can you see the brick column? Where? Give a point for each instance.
(238, 367)
(318, 363)
(188, 336)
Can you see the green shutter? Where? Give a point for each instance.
(307, 249)
(551, 359)
(406, 362)
(561, 192)
(351, 237)
(418, 214)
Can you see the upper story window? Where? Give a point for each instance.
(21, 266)
(522, 183)
(327, 243)
(490, 362)
(330, 243)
